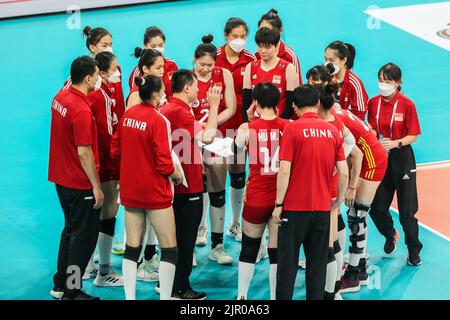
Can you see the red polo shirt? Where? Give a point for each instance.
(72, 125)
(404, 122)
(184, 129)
(313, 146)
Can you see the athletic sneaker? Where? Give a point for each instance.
(57, 293)
(219, 255)
(262, 254)
(350, 280)
(153, 263)
(235, 231)
(302, 264)
(118, 247)
(189, 294)
(90, 272)
(202, 236)
(145, 273)
(363, 277)
(111, 279)
(81, 296)
(414, 260)
(338, 296)
(194, 260)
(391, 243)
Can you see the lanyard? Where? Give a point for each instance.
(392, 118)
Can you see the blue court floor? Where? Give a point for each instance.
(35, 56)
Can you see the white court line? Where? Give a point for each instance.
(427, 227)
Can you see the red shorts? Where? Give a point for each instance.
(257, 215)
(374, 168)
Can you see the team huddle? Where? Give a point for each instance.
(166, 151)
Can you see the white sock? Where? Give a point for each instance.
(273, 280)
(104, 250)
(205, 209)
(129, 270)
(340, 263)
(237, 200)
(217, 219)
(166, 276)
(245, 275)
(330, 283)
(342, 237)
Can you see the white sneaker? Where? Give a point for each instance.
(145, 273)
(235, 231)
(90, 272)
(153, 263)
(202, 236)
(194, 260)
(57, 293)
(262, 254)
(110, 279)
(118, 247)
(338, 296)
(219, 255)
(302, 264)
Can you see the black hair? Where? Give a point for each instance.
(273, 18)
(81, 67)
(344, 50)
(391, 71)
(148, 86)
(234, 23)
(267, 37)
(326, 94)
(93, 36)
(152, 32)
(104, 60)
(206, 48)
(266, 94)
(181, 78)
(320, 73)
(305, 96)
(147, 57)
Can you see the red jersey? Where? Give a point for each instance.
(184, 129)
(353, 95)
(286, 53)
(142, 142)
(277, 76)
(201, 106)
(102, 107)
(72, 125)
(237, 71)
(394, 119)
(313, 146)
(169, 68)
(263, 150)
(374, 154)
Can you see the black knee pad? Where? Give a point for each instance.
(205, 184)
(336, 247)
(331, 256)
(132, 253)
(272, 255)
(169, 255)
(250, 249)
(107, 226)
(237, 180)
(217, 199)
(359, 206)
(341, 223)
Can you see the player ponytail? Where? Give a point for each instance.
(148, 86)
(206, 48)
(147, 57)
(273, 19)
(344, 50)
(93, 36)
(390, 71)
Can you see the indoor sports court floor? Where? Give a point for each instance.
(35, 56)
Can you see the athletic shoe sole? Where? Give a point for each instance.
(363, 282)
(201, 244)
(349, 290)
(146, 280)
(413, 265)
(173, 298)
(107, 284)
(221, 263)
(56, 294)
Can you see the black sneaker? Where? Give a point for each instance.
(81, 296)
(57, 293)
(189, 294)
(414, 260)
(363, 275)
(391, 243)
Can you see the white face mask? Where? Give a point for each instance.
(97, 84)
(237, 45)
(386, 89)
(336, 67)
(159, 49)
(108, 49)
(115, 77)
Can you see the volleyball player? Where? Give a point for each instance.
(272, 20)
(352, 95)
(393, 116)
(234, 57)
(154, 38)
(210, 76)
(142, 142)
(262, 138)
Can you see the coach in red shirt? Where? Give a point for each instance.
(310, 150)
(188, 201)
(73, 167)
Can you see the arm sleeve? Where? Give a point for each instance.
(246, 102)
(288, 108)
(83, 128)
(340, 155)
(161, 144)
(412, 120)
(359, 99)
